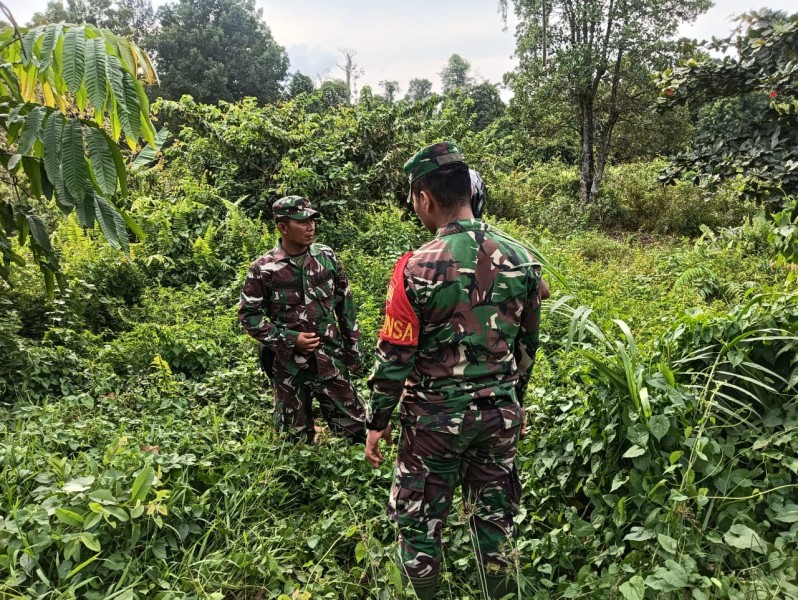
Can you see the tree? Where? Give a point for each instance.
(456, 74)
(131, 18)
(596, 50)
(94, 12)
(63, 151)
(217, 50)
(488, 104)
(300, 84)
(334, 92)
(134, 19)
(351, 70)
(760, 89)
(391, 89)
(418, 89)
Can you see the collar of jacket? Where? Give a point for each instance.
(462, 226)
(280, 253)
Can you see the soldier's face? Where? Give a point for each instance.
(299, 232)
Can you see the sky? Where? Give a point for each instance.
(414, 38)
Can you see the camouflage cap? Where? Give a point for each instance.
(295, 207)
(431, 158)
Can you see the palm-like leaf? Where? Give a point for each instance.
(42, 71)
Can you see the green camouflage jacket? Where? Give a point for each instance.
(461, 326)
(279, 300)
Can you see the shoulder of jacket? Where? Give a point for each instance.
(323, 250)
(519, 247)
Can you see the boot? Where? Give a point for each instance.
(499, 586)
(425, 587)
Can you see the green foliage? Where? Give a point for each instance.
(217, 50)
(456, 75)
(760, 148)
(785, 237)
(346, 157)
(488, 105)
(418, 89)
(68, 94)
(299, 84)
(545, 197)
(130, 18)
(135, 438)
(593, 58)
(655, 479)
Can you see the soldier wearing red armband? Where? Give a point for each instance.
(455, 352)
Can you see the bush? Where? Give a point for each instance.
(633, 199)
(547, 197)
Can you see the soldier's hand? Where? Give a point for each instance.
(373, 454)
(307, 342)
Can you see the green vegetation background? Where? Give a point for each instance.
(138, 455)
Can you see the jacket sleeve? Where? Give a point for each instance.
(253, 308)
(396, 351)
(346, 315)
(527, 341)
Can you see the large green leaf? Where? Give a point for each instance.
(11, 81)
(150, 151)
(41, 238)
(133, 106)
(96, 75)
(28, 41)
(53, 131)
(52, 33)
(66, 202)
(147, 128)
(118, 90)
(73, 158)
(744, 538)
(33, 170)
(74, 51)
(119, 162)
(31, 130)
(85, 211)
(634, 589)
(126, 55)
(788, 514)
(111, 223)
(142, 484)
(102, 161)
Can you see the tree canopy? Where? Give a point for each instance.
(761, 84)
(418, 89)
(130, 18)
(597, 54)
(217, 50)
(456, 74)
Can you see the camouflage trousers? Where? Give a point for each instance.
(428, 465)
(338, 400)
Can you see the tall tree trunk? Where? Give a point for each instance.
(545, 34)
(606, 135)
(587, 133)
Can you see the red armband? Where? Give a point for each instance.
(401, 323)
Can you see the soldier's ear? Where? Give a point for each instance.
(281, 227)
(426, 201)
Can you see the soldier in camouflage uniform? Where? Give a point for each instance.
(296, 301)
(456, 351)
